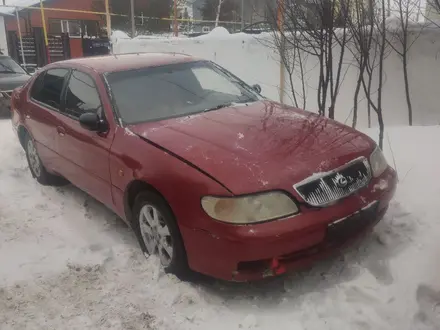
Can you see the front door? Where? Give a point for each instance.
(85, 154)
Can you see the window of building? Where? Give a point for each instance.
(71, 27)
(90, 28)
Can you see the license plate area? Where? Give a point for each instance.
(344, 229)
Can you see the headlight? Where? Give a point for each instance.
(249, 209)
(378, 162)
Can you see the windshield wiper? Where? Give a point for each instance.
(220, 106)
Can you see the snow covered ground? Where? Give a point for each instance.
(66, 262)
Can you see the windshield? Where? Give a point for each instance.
(175, 90)
(8, 65)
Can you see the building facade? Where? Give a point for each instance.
(3, 36)
(75, 24)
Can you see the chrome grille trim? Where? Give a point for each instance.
(325, 185)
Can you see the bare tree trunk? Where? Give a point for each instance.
(381, 128)
(316, 37)
(379, 91)
(369, 105)
(404, 21)
(405, 8)
(407, 90)
(356, 98)
(367, 91)
(302, 77)
(219, 8)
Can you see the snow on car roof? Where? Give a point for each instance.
(113, 63)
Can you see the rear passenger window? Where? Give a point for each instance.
(82, 95)
(48, 87)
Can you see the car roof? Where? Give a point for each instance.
(125, 62)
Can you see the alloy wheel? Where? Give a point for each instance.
(34, 160)
(156, 234)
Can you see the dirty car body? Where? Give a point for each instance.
(256, 188)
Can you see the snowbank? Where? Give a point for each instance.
(219, 31)
(117, 36)
(253, 58)
(69, 263)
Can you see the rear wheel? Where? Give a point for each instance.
(158, 233)
(37, 168)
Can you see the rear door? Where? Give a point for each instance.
(43, 114)
(85, 154)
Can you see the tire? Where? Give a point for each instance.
(166, 226)
(37, 168)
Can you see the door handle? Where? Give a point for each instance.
(61, 131)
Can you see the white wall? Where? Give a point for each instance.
(250, 58)
(3, 37)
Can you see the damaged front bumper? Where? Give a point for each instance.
(244, 253)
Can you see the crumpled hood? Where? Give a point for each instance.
(9, 82)
(258, 147)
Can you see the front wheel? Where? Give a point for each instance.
(158, 233)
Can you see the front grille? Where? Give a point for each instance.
(330, 187)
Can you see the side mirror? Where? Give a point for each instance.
(92, 122)
(257, 88)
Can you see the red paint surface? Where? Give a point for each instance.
(247, 149)
(76, 48)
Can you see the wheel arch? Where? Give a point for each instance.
(133, 189)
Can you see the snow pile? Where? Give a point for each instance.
(219, 31)
(67, 262)
(394, 24)
(118, 35)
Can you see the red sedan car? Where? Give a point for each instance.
(211, 176)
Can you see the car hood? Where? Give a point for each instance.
(257, 147)
(9, 82)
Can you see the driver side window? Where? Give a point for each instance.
(82, 95)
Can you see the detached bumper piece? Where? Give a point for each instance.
(339, 233)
